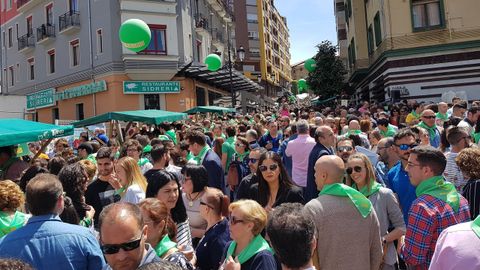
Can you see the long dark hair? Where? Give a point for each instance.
(162, 177)
(73, 179)
(285, 182)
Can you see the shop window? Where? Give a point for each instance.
(55, 115)
(152, 101)
(80, 114)
(200, 92)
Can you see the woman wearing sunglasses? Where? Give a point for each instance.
(214, 209)
(161, 232)
(274, 186)
(248, 248)
(166, 188)
(362, 176)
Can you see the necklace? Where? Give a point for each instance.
(190, 200)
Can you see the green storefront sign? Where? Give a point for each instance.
(41, 99)
(48, 97)
(150, 87)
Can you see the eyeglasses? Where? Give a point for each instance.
(235, 220)
(252, 160)
(344, 148)
(206, 204)
(429, 116)
(239, 144)
(264, 168)
(405, 147)
(115, 248)
(132, 150)
(357, 169)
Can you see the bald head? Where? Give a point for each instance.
(354, 125)
(329, 169)
(428, 112)
(121, 212)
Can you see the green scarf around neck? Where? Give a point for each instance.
(390, 132)
(367, 192)
(241, 157)
(431, 130)
(443, 117)
(199, 158)
(353, 132)
(363, 205)
(437, 187)
(476, 226)
(165, 245)
(257, 244)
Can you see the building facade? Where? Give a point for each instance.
(413, 49)
(299, 71)
(67, 58)
(262, 32)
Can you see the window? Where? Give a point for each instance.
(9, 4)
(251, 2)
(74, 53)
(51, 61)
(252, 18)
(253, 35)
(351, 52)
(11, 72)
(17, 76)
(31, 68)
(16, 28)
(378, 29)
(427, 14)
(49, 14)
(80, 114)
(73, 5)
(10, 37)
(99, 41)
(55, 114)
(29, 26)
(370, 40)
(158, 45)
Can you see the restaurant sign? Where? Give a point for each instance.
(151, 87)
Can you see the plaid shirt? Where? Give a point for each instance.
(427, 218)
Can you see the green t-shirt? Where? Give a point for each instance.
(228, 147)
(9, 224)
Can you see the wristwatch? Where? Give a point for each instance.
(384, 241)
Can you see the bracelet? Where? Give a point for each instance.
(86, 222)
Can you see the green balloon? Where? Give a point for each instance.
(135, 35)
(302, 84)
(213, 62)
(310, 65)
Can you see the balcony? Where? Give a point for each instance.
(201, 23)
(218, 38)
(24, 5)
(69, 22)
(45, 33)
(26, 43)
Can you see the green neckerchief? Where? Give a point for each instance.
(443, 117)
(389, 133)
(199, 158)
(431, 130)
(189, 156)
(437, 187)
(142, 161)
(476, 137)
(353, 132)
(255, 246)
(165, 245)
(415, 114)
(242, 156)
(9, 224)
(476, 226)
(363, 205)
(374, 188)
(147, 148)
(172, 135)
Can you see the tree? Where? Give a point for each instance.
(328, 78)
(294, 87)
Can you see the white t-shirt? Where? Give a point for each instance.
(134, 194)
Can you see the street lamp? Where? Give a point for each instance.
(241, 53)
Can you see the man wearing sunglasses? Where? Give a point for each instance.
(429, 123)
(46, 242)
(398, 179)
(243, 191)
(123, 236)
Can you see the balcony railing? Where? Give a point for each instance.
(201, 21)
(45, 31)
(26, 41)
(69, 19)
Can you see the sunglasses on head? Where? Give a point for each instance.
(115, 248)
(357, 169)
(405, 147)
(264, 168)
(344, 148)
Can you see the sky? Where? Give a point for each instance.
(310, 22)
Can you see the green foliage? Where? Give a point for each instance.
(328, 78)
(295, 87)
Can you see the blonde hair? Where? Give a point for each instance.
(90, 168)
(132, 170)
(252, 212)
(11, 196)
(368, 166)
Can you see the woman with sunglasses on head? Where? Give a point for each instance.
(274, 186)
(214, 209)
(161, 232)
(166, 188)
(196, 180)
(361, 174)
(249, 249)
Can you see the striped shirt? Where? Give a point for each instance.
(452, 173)
(471, 192)
(184, 237)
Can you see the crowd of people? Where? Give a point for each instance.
(360, 187)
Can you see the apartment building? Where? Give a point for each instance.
(416, 49)
(65, 55)
(262, 33)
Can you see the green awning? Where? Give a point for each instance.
(145, 116)
(16, 131)
(210, 109)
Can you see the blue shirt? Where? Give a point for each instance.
(265, 139)
(287, 161)
(45, 242)
(210, 249)
(399, 182)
